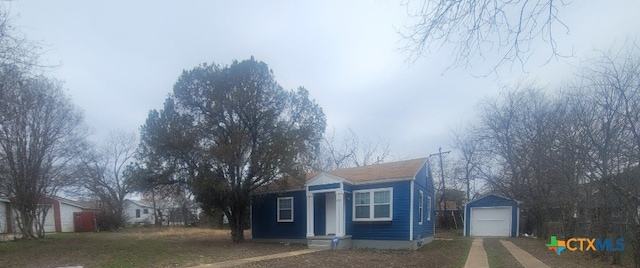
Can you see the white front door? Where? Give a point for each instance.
(330, 205)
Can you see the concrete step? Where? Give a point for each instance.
(321, 247)
(319, 244)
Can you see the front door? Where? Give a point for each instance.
(330, 205)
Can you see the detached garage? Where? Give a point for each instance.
(491, 215)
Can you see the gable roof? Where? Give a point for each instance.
(406, 169)
(79, 204)
(138, 203)
(494, 196)
(392, 170)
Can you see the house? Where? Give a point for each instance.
(137, 212)
(69, 212)
(59, 216)
(387, 206)
(492, 215)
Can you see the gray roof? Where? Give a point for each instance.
(139, 203)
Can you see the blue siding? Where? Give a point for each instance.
(348, 213)
(319, 214)
(347, 187)
(398, 228)
(493, 201)
(264, 220)
(324, 186)
(422, 177)
(425, 184)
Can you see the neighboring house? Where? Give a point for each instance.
(69, 211)
(388, 206)
(492, 215)
(138, 212)
(60, 214)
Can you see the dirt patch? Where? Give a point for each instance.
(439, 253)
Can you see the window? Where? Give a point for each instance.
(137, 213)
(373, 205)
(285, 209)
(145, 211)
(429, 208)
(420, 207)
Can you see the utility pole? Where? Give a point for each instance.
(440, 153)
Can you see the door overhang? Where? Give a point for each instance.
(324, 183)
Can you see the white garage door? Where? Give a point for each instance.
(490, 221)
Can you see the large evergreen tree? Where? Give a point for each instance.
(228, 130)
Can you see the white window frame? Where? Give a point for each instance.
(420, 207)
(428, 208)
(279, 209)
(372, 204)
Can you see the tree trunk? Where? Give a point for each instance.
(25, 223)
(236, 223)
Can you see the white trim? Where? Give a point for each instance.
(420, 207)
(310, 215)
(324, 178)
(278, 208)
(340, 222)
(372, 204)
(517, 222)
(332, 190)
(411, 211)
(426, 161)
(467, 221)
(430, 210)
(383, 181)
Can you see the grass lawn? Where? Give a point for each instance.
(184, 247)
(537, 248)
(497, 255)
(133, 247)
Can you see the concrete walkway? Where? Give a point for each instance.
(234, 263)
(477, 256)
(527, 260)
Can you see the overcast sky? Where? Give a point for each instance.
(120, 59)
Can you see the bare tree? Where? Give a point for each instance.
(39, 141)
(476, 27)
(469, 166)
(519, 135)
(170, 200)
(103, 174)
(350, 151)
(606, 102)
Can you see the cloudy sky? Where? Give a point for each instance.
(120, 59)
